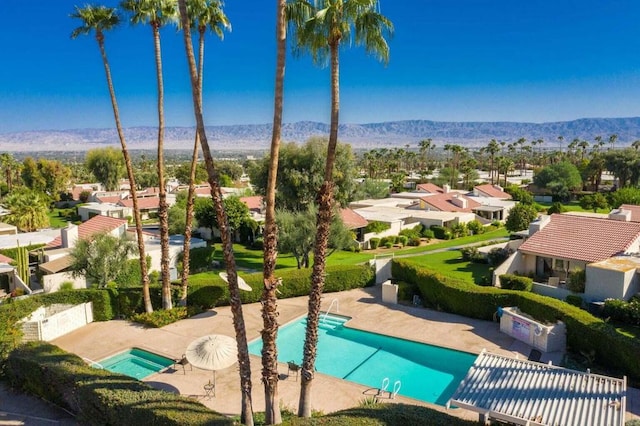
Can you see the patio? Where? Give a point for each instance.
(329, 394)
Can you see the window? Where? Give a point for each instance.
(559, 264)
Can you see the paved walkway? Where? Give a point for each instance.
(102, 339)
(20, 409)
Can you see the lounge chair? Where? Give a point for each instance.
(293, 368)
(535, 355)
(183, 362)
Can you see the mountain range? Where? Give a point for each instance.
(249, 137)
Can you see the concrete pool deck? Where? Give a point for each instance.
(99, 340)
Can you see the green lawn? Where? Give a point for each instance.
(573, 206)
(252, 259)
(487, 236)
(55, 220)
(450, 263)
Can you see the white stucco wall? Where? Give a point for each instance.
(603, 283)
(52, 282)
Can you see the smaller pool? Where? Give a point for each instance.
(136, 363)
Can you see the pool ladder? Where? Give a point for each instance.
(333, 302)
(93, 363)
(385, 384)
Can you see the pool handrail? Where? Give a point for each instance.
(93, 363)
(396, 388)
(383, 386)
(337, 303)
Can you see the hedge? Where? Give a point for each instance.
(383, 415)
(295, 282)
(515, 282)
(99, 397)
(584, 331)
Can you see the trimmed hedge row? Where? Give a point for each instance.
(515, 282)
(99, 397)
(584, 331)
(383, 415)
(295, 282)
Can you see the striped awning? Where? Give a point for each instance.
(530, 393)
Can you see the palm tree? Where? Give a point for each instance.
(205, 14)
(636, 144)
(246, 415)
(321, 29)
(157, 13)
(28, 209)
(100, 19)
(492, 148)
(612, 140)
(269, 297)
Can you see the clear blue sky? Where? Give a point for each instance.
(451, 60)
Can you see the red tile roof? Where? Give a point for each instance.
(115, 199)
(444, 203)
(492, 191)
(95, 225)
(431, 188)
(582, 238)
(5, 259)
(353, 220)
(254, 202)
(143, 203)
(635, 211)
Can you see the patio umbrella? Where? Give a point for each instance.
(242, 284)
(212, 352)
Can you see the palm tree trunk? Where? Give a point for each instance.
(246, 415)
(162, 191)
(186, 255)
(148, 307)
(325, 213)
(269, 296)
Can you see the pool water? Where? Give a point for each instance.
(136, 363)
(426, 372)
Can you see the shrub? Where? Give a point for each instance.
(574, 299)
(412, 233)
(427, 233)
(498, 255)
(621, 311)
(374, 242)
(556, 207)
(584, 331)
(402, 240)
(376, 227)
(577, 280)
(415, 241)
(97, 396)
(475, 227)
(471, 254)
(516, 282)
(66, 286)
(441, 232)
(162, 317)
(200, 259)
(388, 244)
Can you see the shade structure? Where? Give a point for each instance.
(212, 352)
(242, 284)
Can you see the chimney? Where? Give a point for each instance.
(621, 215)
(539, 224)
(446, 188)
(69, 235)
(459, 201)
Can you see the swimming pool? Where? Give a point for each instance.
(136, 363)
(426, 372)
